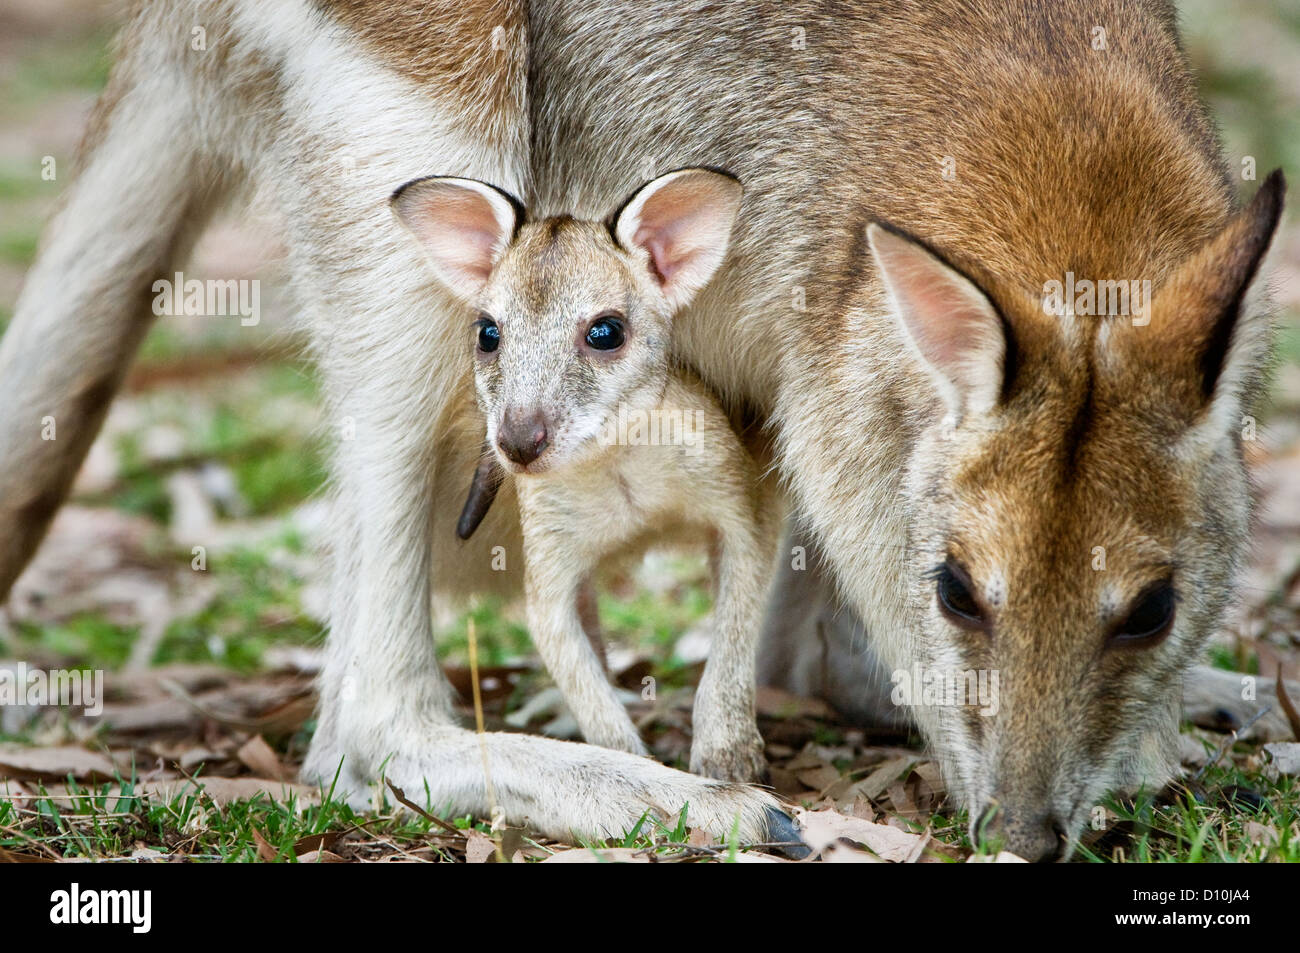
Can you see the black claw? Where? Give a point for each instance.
(781, 830)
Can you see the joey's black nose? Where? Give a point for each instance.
(522, 435)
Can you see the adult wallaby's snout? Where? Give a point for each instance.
(1040, 836)
(522, 435)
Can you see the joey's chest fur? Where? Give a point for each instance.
(669, 473)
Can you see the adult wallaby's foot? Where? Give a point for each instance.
(562, 789)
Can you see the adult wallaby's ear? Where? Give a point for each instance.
(683, 221)
(464, 226)
(957, 331)
(1210, 331)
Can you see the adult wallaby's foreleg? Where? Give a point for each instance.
(86, 301)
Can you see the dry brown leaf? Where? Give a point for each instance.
(320, 857)
(286, 717)
(315, 843)
(809, 757)
(778, 703)
(155, 717)
(258, 756)
(785, 783)
(17, 857)
(583, 855)
(1261, 833)
(479, 848)
(930, 779)
(224, 790)
(56, 763)
(821, 777)
(874, 784)
(529, 852)
(901, 799)
(822, 828)
(1284, 758)
(265, 852)
(754, 857)
(841, 853)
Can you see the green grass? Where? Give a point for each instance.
(22, 183)
(1209, 826)
(55, 65)
(273, 470)
(109, 820)
(89, 641)
(256, 608)
(18, 244)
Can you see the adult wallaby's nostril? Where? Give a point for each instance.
(1035, 837)
(522, 436)
(1062, 839)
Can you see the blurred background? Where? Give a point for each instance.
(215, 439)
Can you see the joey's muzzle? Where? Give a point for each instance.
(522, 436)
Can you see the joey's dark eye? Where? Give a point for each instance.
(605, 334)
(489, 335)
(1150, 619)
(956, 601)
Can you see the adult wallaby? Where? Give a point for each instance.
(611, 446)
(956, 453)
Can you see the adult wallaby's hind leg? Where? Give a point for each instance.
(124, 221)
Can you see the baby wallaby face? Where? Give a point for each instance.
(574, 318)
(569, 328)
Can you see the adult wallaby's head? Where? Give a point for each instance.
(573, 317)
(1078, 504)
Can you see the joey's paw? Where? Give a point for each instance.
(742, 760)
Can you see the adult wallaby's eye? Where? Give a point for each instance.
(1151, 618)
(605, 334)
(489, 335)
(956, 601)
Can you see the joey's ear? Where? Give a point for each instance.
(1210, 332)
(954, 327)
(463, 225)
(683, 221)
